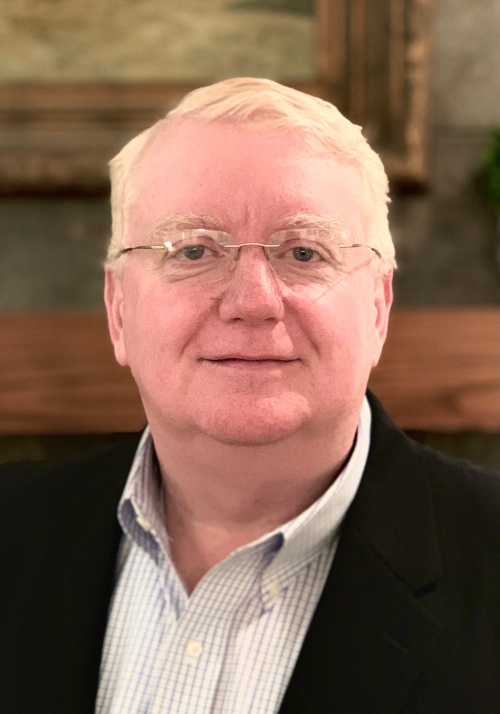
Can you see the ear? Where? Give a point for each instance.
(113, 297)
(383, 302)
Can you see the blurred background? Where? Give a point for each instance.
(77, 80)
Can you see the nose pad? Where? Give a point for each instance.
(237, 250)
(254, 260)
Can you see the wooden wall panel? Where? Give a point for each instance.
(58, 376)
(440, 371)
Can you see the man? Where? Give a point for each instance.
(280, 545)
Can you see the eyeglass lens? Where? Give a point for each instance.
(296, 255)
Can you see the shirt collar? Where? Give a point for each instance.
(286, 549)
(306, 534)
(140, 511)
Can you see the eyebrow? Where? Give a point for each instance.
(184, 220)
(333, 227)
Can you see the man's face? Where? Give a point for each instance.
(249, 359)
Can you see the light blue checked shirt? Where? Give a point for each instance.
(230, 647)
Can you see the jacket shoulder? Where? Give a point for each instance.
(405, 477)
(27, 487)
(466, 497)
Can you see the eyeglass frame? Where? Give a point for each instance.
(167, 245)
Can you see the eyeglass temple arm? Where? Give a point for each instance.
(362, 245)
(144, 247)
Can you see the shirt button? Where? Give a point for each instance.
(274, 591)
(194, 648)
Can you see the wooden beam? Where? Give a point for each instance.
(440, 371)
(58, 376)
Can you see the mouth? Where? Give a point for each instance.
(251, 362)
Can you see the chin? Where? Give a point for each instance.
(255, 422)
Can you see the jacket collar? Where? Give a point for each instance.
(370, 636)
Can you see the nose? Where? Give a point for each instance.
(252, 292)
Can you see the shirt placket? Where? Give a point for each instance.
(192, 660)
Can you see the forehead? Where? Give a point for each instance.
(242, 177)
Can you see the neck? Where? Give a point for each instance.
(219, 497)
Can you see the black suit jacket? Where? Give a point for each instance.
(408, 622)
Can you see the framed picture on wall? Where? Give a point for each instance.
(77, 84)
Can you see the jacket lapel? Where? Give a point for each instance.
(370, 636)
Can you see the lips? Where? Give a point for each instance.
(250, 358)
(267, 365)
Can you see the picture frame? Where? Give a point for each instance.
(373, 62)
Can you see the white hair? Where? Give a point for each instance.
(268, 107)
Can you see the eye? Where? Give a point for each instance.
(300, 253)
(299, 246)
(305, 255)
(195, 248)
(192, 252)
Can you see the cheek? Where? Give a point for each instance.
(341, 328)
(160, 323)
